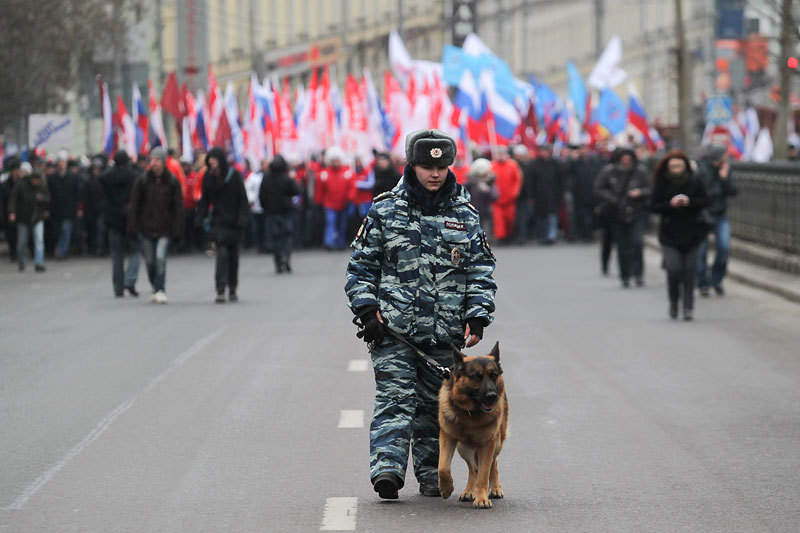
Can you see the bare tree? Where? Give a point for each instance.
(44, 46)
(787, 41)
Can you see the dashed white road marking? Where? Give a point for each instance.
(340, 514)
(358, 365)
(353, 418)
(104, 424)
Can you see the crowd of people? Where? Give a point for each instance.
(62, 207)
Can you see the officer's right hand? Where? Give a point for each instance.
(373, 327)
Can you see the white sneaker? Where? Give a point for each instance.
(160, 297)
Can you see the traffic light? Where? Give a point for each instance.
(792, 63)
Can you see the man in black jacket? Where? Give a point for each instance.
(278, 189)
(545, 178)
(116, 184)
(719, 184)
(65, 200)
(224, 199)
(625, 187)
(155, 213)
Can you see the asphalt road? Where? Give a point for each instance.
(121, 415)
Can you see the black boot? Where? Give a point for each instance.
(232, 295)
(673, 310)
(387, 485)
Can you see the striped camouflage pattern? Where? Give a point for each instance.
(406, 413)
(426, 273)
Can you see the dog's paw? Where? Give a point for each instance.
(466, 496)
(482, 503)
(496, 493)
(445, 486)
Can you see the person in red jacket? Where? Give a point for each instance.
(460, 168)
(335, 182)
(509, 182)
(361, 191)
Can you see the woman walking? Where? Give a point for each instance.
(679, 197)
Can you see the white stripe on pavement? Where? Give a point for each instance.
(351, 418)
(339, 515)
(104, 424)
(358, 365)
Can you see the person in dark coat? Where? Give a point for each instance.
(93, 210)
(65, 196)
(276, 194)
(625, 188)
(386, 175)
(679, 196)
(116, 184)
(13, 165)
(224, 201)
(545, 175)
(481, 186)
(28, 206)
(584, 169)
(715, 172)
(155, 212)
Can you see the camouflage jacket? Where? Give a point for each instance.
(428, 270)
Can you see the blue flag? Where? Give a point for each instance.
(611, 112)
(577, 91)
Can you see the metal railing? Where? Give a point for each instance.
(767, 209)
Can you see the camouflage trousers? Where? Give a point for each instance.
(406, 412)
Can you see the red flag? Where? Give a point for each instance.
(171, 98)
(312, 88)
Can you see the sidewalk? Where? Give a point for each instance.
(780, 282)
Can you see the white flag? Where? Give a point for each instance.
(608, 73)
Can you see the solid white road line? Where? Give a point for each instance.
(351, 418)
(339, 515)
(103, 425)
(358, 365)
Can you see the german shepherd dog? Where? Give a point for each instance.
(473, 418)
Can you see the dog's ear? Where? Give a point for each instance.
(458, 357)
(495, 353)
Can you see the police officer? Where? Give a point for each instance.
(421, 266)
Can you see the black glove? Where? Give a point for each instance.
(371, 330)
(476, 325)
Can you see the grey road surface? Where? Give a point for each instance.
(121, 415)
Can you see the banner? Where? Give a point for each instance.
(52, 132)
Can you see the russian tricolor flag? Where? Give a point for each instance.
(637, 116)
(140, 120)
(107, 140)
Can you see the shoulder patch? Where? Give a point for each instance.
(472, 207)
(382, 196)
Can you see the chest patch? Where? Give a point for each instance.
(455, 225)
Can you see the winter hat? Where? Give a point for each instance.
(716, 152)
(334, 152)
(520, 150)
(121, 158)
(431, 148)
(480, 167)
(160, 153)
(25, 168)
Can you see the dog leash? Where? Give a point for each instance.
(425, 357)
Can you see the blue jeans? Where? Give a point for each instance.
(722, 238)
(121, 277)
(547, 227)
(335, 228)
(37, 231)
(64, 238)
(279, 228)
(154, 251)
